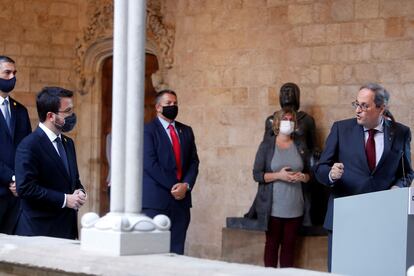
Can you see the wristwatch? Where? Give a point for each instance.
(188, 187)
(13, 178)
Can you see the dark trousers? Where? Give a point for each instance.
(9, 213)
(180, 219)
(281, 232)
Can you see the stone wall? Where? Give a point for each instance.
(40, 36)
(232, 56)
(230, 59)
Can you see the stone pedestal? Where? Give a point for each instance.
(245, 246)
(242, 246)
(125, 243)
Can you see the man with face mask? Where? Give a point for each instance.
(170, 168)
(14, 126)
(46, 171)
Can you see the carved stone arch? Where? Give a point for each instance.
(160, 41)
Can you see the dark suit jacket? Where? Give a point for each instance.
(346, 144)
(42, 181)
(160, 167)
(20, 128)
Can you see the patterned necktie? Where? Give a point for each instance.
(176, 149)
(370, 149)
(62, 153)
(6, 112)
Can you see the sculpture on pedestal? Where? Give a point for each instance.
(255, 218)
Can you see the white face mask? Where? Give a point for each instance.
(286, 127)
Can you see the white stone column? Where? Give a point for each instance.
(135, 105)
(124, 231)
(119, 96)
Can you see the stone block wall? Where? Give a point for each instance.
(40, 36)
(230, 59)
(232, 56)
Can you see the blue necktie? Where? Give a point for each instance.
(7, 113)
(62, 153)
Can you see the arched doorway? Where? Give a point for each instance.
(151, 66)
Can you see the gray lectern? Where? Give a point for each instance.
(373, 234)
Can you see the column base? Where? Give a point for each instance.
(125, 243)
(121, 234)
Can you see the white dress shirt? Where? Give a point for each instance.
(165, 125)
(2, 107)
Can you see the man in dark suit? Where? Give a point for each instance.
(170, 168)
(14, 126)
(47, 175)
(366, 154)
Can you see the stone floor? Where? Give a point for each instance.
(50, 256)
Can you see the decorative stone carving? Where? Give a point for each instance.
(126, 222)
(100, 26)
(99, 30)
(163, 36)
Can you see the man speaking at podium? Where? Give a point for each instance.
(365, 154)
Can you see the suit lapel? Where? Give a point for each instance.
(388, 139)
(71, 160)
(165, 140)
(47, 145)
(13, 113)
(358, 132)
(3, 125)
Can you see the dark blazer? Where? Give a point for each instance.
(346, 144)
(42, 181)
(262, 204)
(20, 128)
(160, 168)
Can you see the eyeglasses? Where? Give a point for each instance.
(66, 111)
(362, 106)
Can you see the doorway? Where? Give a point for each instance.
(151, 66)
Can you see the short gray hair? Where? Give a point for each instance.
(162, 93)
(6, 59)
(382, 97)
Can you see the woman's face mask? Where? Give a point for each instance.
(286, 127)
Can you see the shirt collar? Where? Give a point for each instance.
(165, 124)
(2, 99)
(379, 127)
(50, 134)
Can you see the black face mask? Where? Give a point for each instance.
(69, 124)
(170, 111)
(7, 85)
